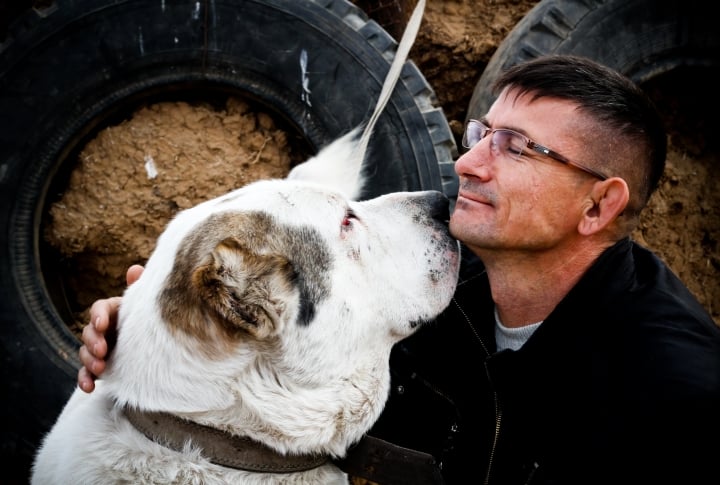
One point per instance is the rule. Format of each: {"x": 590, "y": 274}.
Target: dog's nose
{"x": 437, "y": 205}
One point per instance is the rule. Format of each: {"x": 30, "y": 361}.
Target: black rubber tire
{"x": 69, "y": 70}
{"x": 640, "y": 38}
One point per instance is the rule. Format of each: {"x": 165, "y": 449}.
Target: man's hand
{"x": 99, "y": 335}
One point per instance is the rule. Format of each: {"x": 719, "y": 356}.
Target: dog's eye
{"x": 349, "y": 216}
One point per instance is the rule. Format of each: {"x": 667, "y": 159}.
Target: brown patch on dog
{"x": 226, "y": 283}
{"x": 240, "y": 286}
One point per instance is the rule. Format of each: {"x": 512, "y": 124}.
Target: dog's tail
{"x": 406, "y": 42}
{"x": 339, "y": 164}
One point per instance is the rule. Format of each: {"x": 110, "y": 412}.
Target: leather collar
{"x": 220, "y": 447}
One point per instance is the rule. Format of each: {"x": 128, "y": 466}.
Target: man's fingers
{"x": 133, "y": 273}
{"x": 86, "y": 381}
{"x": 94, "y": 340}
{"x": 100, "y": 313}
{"x": 94, "y": 366}
{"x": 99, "y": 335}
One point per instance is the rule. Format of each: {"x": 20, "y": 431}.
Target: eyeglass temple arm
{"x": 555, "y": 155}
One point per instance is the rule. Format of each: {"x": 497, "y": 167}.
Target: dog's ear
{"x": 246, "y": 290}
{"x": 338, "y": 166}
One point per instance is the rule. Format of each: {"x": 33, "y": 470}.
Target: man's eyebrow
{"x": 485, "y": 121}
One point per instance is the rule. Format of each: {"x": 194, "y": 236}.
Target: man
{"x": 571, "y": 355}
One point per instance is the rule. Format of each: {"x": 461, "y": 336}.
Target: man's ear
{"x": 605, "y": 202}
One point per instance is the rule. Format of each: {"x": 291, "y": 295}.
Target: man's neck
{"x": 526, "y": 287}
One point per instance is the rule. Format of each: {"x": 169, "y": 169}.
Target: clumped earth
{"x": 132, "y": 178}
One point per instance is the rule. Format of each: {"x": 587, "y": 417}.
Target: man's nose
{"x": 475, "y": 162}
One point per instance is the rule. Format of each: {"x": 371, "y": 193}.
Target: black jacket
{"x": 620, "y": 384}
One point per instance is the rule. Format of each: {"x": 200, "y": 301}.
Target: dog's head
{"x": 281, "y": 301}
{"x": 278, "y": 254}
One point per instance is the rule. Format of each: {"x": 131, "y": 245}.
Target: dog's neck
{"x": 220, "y": 447}
{"x": 237, "y": 395}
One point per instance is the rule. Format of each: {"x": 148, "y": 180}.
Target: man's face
{"x": 529, "y": 204}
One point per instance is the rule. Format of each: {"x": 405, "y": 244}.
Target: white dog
{"x": 256, "y": 344}
{"x": 255, "y": 347}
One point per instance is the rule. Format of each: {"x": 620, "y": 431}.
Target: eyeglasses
{"x": 511, "y": 144}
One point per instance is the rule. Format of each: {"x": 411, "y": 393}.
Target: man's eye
{"x": 514, "y": 150}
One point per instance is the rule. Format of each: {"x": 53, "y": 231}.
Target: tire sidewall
{"x": 641, "y": 39}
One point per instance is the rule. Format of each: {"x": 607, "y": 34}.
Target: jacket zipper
{"x": 498, "y": 422}
{"x": 498, "y": 409}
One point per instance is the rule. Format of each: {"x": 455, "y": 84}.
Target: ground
{"x": 134, "y": 176}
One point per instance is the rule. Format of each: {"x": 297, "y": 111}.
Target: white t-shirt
{"x": 512, "y": 338}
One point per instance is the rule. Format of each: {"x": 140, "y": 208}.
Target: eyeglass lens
{"x": 505, "y": 142}
{"x": 474, "y": 132}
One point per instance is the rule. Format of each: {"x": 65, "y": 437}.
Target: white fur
{"x": 298, "y": 388}
{"x": 347, "y": 176}
{"x": 300, "y": 382}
